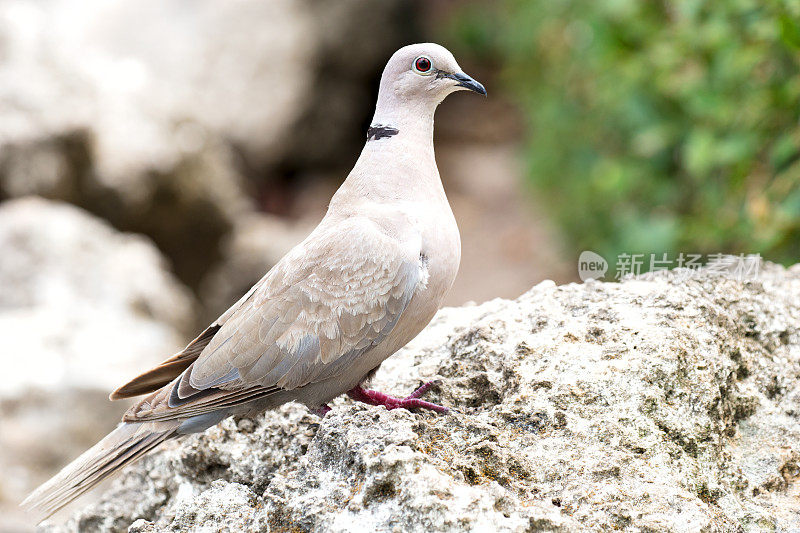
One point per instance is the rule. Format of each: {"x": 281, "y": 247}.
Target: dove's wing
{"x": 329, "y": 301}
{"x": 166, "y": 371}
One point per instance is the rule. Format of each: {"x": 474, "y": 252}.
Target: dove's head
{"x": 419, "y": 77}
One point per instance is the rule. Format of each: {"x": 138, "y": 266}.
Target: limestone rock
{"x": 663, "y": 404}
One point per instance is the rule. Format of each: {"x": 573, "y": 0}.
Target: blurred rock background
{"x": 156, "y": 158}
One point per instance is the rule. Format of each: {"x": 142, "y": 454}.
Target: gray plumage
{"x": 366, "y": 281}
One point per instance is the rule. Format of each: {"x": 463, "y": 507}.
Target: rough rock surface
{"x": 82, "y": 309}
{"x": 663, "y": 404}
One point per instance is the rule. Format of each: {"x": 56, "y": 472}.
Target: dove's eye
{"x": 422, "y": 64}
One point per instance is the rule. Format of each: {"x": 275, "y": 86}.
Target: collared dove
{"x": 364, "y": 283}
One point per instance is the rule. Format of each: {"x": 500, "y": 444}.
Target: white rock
{"x": 151, "y": 80}
{"x": 82, "y": 305}
{"x": 662, "y": 405}
{"x": 83, "y": 308}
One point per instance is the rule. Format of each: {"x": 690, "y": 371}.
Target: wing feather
{"x": 168, "y": 370}
{"x": 165, "y": 372}
{"x": 330, "y": 300}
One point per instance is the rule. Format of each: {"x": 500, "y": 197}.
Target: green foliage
{"x": 656, "y": 126}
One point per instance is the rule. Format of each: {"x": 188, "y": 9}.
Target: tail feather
{"x": 127, "y": 443}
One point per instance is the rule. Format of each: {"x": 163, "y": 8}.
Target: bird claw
{"x": 412, "y": 401}
{"x": 424, "y": 388}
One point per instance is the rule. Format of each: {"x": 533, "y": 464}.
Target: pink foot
{"x": 412, "y": 401}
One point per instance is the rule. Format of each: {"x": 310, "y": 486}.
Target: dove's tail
{"x": 127, "y": 443}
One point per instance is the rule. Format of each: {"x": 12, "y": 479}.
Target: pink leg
{"x": 412, "y": 401}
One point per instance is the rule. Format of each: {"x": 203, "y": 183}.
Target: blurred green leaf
{"x": 790, "y": 31}
{"x": 656, "y": 126}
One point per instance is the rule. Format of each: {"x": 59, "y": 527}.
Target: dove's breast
{"x": 440, "y": 256}
{"x": 407, "y": 201}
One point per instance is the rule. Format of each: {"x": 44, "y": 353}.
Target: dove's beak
{"x": 468, "y": 82}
